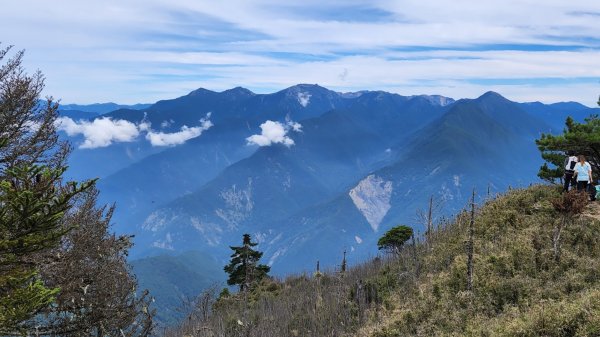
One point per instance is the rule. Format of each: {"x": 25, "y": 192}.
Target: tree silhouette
{"x": 394, "y": 239}
{"x": 243, "y": 268}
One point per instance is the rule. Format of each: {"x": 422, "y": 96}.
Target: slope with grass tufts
{"x": 519, "y": 287}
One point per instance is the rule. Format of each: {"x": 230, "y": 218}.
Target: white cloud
{"x": 274, "y": 133}
{"x": 100, "y": 132}
{"x": 294, "y": 126}
{"x": 150, "y": 49}
{"x": 180, "y": 137}
{"x": 166, "y": 124}
{"x": 32, "y": 126}
{"x": 105, "y": 131}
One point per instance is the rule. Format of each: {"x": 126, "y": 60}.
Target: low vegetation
{"x": 519, "y": 286}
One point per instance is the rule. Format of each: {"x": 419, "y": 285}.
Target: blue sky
{"x": 146, "y": 50}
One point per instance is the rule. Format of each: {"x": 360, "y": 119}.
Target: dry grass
{"x": 518, "y": 284}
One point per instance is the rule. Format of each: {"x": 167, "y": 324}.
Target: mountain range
{"x": 310, "y": 173}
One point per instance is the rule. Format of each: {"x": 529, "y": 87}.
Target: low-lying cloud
{"x": 274, "y": 133}
{"x": 105, "y": 131}
{"x": 100, "y": 132}
{"x": 180, "y": 137}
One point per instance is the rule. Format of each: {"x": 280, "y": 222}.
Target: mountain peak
{"x": 307, "y": 86}
{"x": 492, "y": 96}
{"x": 435, "y": 99}
{"x": 238, "y": 92}
{"x": 200, "y": 92}
{"x": 310, "y": 88}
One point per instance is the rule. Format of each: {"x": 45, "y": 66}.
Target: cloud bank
{"x": 176, "y": 138}
{"x": 100, "y": 132}
{"x": 524, "y": 49}
{"x": 275, "y": 133}
{"x": 103, "y": 132}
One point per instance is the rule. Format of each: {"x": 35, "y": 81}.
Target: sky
{"x": 141, "y": 51}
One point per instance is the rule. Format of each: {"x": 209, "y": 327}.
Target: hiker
{"x": 569, "y": 166}
{"x": 583, "y": 173}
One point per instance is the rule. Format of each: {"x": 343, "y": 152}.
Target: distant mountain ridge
{"x": 360, "y": 163}
{"x": 101, "y": 108}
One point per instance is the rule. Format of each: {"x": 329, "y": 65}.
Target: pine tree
{"x": 583, "y": 138}
{"x": 394, "y": 239}
{"x": 243, "y": 268}
{"x": 32, "y": 203}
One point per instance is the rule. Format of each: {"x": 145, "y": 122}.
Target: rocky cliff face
{"x": 372, "y": 198}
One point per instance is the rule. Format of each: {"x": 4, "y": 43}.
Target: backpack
{"x": 570, "y": 163}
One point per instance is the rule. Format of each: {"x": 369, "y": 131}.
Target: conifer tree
{"x": 583, "y": 138}
{"x": 243, "y": 268}
{"x": 32, "y": 204}
{"x": 33, "y": 198}
{"x": 61, "y": 272}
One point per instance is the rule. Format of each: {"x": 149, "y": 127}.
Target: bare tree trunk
{"x": 470, "y": 245}
{"x": 416, "y": 261}
{"x": 430, "y": 220}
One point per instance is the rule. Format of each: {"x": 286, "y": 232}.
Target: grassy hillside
{"x": 519, "y": 288}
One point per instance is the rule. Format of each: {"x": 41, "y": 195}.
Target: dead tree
{"x": 470, "y": 244}
{"x": 415, "y": 259}
{"x": 343, "y": 267}
{"x": 427, "y": 219}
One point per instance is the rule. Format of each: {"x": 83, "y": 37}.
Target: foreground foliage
{"x": 97, "y": 287}
{"x": 520, "y": 288}
{"x": 33, "y": 197}
{"x": 62, "y": 273}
